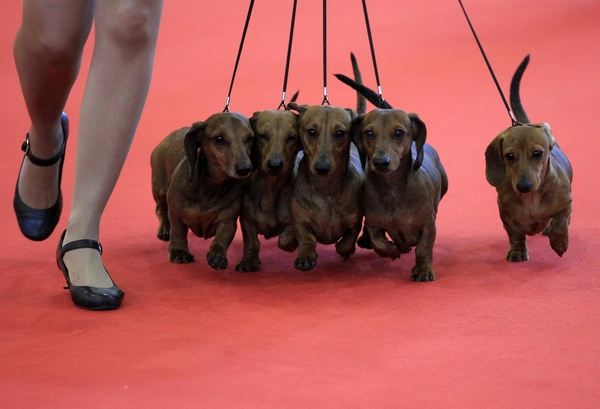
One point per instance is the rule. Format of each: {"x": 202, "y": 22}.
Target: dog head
{"x": 277, "y": 141}
{"x": 521, "y": 153}
{"x": 386, "y": 136}
{"x": 325, "y": 132}
{"x": 224, "y": 142}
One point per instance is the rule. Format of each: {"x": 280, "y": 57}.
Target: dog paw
{"x": 217, "y": 261}
{"x": 288, "y": 244}
{"x": 305, "y": 263}
{"x": 517, "y": 255}
{"x": 248, "y": 266}
{"x": 345, "y": 252}
{"x": 364, "y": 242}
{"x": 180, "y": 256}
{"x": 163, "y": 235}
{"x": 559, "y": 247}
{"x": 422, "y": 274}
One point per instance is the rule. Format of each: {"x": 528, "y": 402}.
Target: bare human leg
{"x": 125, "y": 40}
{"x": 47, "y": 52}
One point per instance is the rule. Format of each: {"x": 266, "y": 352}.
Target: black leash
{"x": 381, "y": 101}
{"x": 226, "y": 109}
{"x": 325, "y": 100}
{"x": 289, "y": 55}
{"x": 510, "y": 113}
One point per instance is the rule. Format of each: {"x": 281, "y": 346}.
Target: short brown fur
{"x": 533, "y": 179}
{"x": 266, "y": 194}
{"x": 196, "y": 173}
{"x": 327, "y": 195}
{"x": 402, "y": 194}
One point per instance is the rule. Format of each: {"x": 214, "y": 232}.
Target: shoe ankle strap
{"x": 81, "y": 244}
{"x": 26, "y": 147}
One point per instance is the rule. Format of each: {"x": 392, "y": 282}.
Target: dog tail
{"x": 515, "y": 98}
{"x": 361, "y": 102}
{"x": 361, "y": 90}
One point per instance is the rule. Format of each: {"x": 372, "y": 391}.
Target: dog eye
{"x": 369, "y": 135}
{"x": 340, "y": 134}
{"x": 399, "y": 133}
{"x": 262, "y": 136}
{"x": 291, "y": 138}
{"x": 250, "y": 139}
{"x": 537, "y": 154}
{"x": 219, "y": 140}
{"x": 510, "y": 157}
{"x": 312, "y": 133}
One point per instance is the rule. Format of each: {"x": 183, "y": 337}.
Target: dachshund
{"x": 327, "y": 194}
{"x": 196, "y": 184}
{"x": 533, "y": 179}
{"x": 404, "y": 181}
{"x": 266, "y": 193}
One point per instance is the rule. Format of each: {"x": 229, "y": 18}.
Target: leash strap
{"x": 325, "y": 99}
{"x": 510, "y": 113}
{"x": 289, "y": 55}
{"x": 237, "y": 60}
{"x": 381, "y": 101}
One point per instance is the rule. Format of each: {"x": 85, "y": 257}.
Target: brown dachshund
{"x": 266, "y": 194}
{"x": 327, "y": 195}
{"x": 533, "y": 179}
{"x": 196, "y": 176}
{"x": 405, "y": 181}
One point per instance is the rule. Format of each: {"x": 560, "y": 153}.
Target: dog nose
{"x": 243, "y": 169}
{"x": 322, "y": 168}
{"x": 524, "y": 186}
{"x": 381, "y": 162}
{"x": 274, "y": 165}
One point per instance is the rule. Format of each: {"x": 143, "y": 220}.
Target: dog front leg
{"x": 217, "y": 254}
{"x": 178, "y": 244}
{"x": 423, "y": 269}
{"x": 287, "y": 239}
{"x": 346, "y": 246}
{"x": 558, "y": 231}
{"x": 250, "y": 261}
{"x": 518, "y": 250}
{"x": 382, "y": 246}
{"x": 307, "y": 253}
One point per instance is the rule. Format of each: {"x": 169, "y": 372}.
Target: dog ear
{"x": 254, "y": 119}
{"x": 549, "y": 134}
{"x": 351, "y": 112}
{"x": 356, "y": 132}
{"x": 495, "y": 169}
{"x": 420, "y": 132}
{"x": 301, "y": 109}
{"x": 191, "y": 142}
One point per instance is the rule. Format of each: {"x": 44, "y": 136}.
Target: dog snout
{"x": 274, "y": 165}
{"x": 524, "y": 185}
{"x": 322, "y": 167}
{"x": 381, "y": 163}
{"x": 243, "y": 169}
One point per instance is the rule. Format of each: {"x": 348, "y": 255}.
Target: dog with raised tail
{"x": 533, "y": 179}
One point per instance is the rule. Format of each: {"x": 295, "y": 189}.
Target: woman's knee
{"x": 54, "y": 32}
{"x": 133, "y": 26}
{"x": 54, "y": 45}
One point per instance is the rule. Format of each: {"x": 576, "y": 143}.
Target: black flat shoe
{"x": 38, "y": 224}
{"x": 89, "y": 298}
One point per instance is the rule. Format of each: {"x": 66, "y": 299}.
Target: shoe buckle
{"x": 26, "y": 145}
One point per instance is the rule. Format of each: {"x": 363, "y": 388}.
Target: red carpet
{"x": 359, "y": 334}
